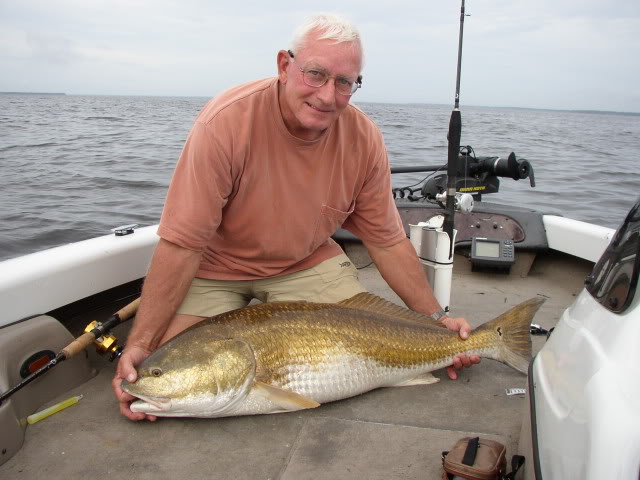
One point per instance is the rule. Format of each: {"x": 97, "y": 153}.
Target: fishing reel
{"x": 479, "y": 175}
{"x": 463, "y": 201}
{"x": 106, "y": 344}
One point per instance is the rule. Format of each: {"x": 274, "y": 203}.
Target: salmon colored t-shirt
{"x": 259, "y": 202}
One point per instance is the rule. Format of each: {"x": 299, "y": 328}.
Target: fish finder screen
{"x": 488, "y": 249}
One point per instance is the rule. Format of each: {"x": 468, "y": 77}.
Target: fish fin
{"x": 422, "y": 379}
{"x": 513, "y": 331}
{"x": 239, "y": 355}
{"x": 372, "y": 303}
{"x": 286, "y": 399}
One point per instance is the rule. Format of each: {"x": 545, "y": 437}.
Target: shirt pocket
{"x": 330, "y": 220}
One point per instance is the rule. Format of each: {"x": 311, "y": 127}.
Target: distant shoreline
{"x": 32, "y": 93}
{"x": 614, "y": 112}
{"x": 587, "y": 111}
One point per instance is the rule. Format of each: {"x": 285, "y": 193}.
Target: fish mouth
{"x": 151, "y": 405}
{"x": 147, "y": 403}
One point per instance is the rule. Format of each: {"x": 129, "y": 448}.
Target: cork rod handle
{"x": 78, "y": 345}
{"x": 125, "y": 313}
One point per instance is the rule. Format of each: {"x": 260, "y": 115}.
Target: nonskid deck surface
{"x": 388, "y": 433}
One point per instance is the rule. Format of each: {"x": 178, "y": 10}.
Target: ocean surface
{"x": 73, "y": 167}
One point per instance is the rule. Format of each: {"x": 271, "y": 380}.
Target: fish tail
{"x": 512, "y": 330}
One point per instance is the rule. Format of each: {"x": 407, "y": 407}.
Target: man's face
{"x": 309, "y": 111}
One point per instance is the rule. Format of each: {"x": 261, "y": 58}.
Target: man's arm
{"x": 170, "y": 274}
{"x": 401, "y": 269}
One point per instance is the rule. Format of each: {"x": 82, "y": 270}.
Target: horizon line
{"x": 568, "y": 110}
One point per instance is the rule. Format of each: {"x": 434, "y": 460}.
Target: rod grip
{"x": 78, "y": 345}
{"x": 128, "y": 311}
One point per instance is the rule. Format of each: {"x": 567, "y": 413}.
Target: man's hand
{"x": 131, "y": 357}
{"x": 463, "y": 360}
{"x": 169, "y": 277}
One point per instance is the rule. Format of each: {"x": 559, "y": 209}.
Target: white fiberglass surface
{"x": 42, "y": 281}
{"x": 581, "y": 239}
{"x": 586, "y": 391}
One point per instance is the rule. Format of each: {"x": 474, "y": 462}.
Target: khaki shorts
{"x": 328, "y": 282}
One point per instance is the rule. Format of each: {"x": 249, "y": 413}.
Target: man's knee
{"x": 328, "y": 282}
{"x": 206, "y": 298}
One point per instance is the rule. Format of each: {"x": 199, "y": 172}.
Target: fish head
{"x": 193, "y": 376}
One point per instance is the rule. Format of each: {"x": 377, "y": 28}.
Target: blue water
{"x": 73, "y": 167}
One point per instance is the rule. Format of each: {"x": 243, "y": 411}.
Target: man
{"x": 269, "y": 171}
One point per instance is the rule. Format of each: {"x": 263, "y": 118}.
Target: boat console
{"x": 476, "y": 176}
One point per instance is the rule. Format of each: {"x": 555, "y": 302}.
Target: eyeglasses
{"x": 317, "y": 78}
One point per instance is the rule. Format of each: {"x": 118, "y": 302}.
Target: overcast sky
{"x": 561, "y": 54}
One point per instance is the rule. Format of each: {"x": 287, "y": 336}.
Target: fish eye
{"x": 156, "y": 372}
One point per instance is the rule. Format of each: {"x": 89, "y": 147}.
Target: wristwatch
{"x": 438, "y": 315}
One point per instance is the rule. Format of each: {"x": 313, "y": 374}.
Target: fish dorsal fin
{"x": 286, "y": 399}
{"x": 372, "y": 303}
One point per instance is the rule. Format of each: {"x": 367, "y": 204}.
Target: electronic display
{"x": 488, "y": 249}
{"x": 488, "y": 252}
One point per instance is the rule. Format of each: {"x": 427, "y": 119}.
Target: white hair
{"x": 331, "y": 27}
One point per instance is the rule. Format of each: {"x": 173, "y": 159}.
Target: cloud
{"x": 549, "y": 54}
{"x": 52, "y": 49}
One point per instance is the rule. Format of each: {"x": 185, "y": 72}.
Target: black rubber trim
{"x": 121, "y": 293}
{"x": 22, "y": 320}
{"x": 534, "y": 424}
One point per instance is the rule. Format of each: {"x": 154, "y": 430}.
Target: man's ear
{"x": 283, "y": 63}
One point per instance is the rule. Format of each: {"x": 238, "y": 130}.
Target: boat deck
{"x": 390, "y": 433}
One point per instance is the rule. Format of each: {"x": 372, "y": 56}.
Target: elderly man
{"x": 269, "y": 171}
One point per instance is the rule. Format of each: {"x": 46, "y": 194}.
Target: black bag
{"x": 479, "y": 459}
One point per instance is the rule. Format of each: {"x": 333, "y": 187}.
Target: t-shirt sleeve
{"x": 199, "y": 190}
{"x": 375, "y": 218}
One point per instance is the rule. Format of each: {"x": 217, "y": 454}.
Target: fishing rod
{"x": 78, "y": 345}
{"x": 455, "y": 129}
{"x": 417, "y": 169}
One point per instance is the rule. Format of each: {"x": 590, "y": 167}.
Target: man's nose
{"x": 327, "y": 92}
